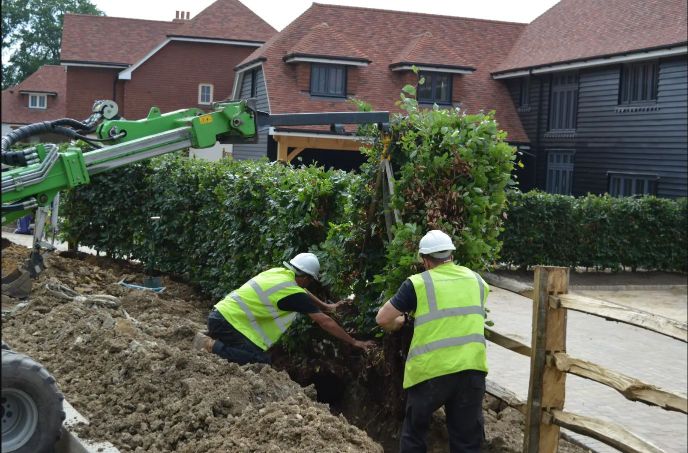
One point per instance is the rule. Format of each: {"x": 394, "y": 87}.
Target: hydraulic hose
{"x": 23, "y": 158}
{"x": 42, "y": 128}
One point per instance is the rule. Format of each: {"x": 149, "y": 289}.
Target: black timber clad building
{"x": 619, "y": 128}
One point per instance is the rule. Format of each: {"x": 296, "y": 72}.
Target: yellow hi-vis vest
{"x": 252, "y": 309}
{"x": 449, "y": 324}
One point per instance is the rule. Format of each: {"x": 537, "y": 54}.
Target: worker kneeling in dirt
{"x": 446, "y": 363}
{"x": 243, "y": 325}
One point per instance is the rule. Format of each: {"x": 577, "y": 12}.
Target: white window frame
{"x": 200, "y": 93}
{"x": 38, "y": 97}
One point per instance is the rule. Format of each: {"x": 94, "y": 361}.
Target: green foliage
{"x": 223, "y": 222}
{"x": 32, "y": 34}
{"x": 596, "y": 231}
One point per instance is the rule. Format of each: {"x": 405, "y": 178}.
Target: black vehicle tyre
{"x": 32, "y": 412}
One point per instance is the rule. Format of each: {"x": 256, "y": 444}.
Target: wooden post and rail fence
{"x": 549, "y": 365}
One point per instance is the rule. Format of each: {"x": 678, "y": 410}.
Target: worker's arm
{"x": 329, "y": 308}
{"x": 389, "y": 318}
{"x": 391, "y": 315}
{"x": 330, "y": 326}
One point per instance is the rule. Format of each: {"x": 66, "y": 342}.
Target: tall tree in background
{"x": 32, "y": 32}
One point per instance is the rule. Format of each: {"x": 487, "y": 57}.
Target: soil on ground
{"x": 125, "y": 362}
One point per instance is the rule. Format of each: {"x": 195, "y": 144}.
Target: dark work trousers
{"x": 461, "y": 394}
{"x": 231, "y": 344}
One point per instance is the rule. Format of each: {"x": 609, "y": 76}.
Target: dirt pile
{"x": 129, "y": 369}
{"x": 126, "y": 364}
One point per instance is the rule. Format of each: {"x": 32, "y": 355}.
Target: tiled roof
{"x": 383, "y": 35}
{"x": 101, "y": 39}
{"x": 228, "y": 19}
{"x": 47, "y": 79}
{"x": 426, "y": 49}
{"x": 579, "y": 29}
{"x": 323, "y": 41}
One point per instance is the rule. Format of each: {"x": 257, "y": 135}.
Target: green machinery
{"x": 35, "y": 185}
{"x": 32, "y": 178}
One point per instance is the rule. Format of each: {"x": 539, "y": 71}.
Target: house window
{"x": 560, "y": 172}
{"x": 629, "y": 184}
{"x": 205, "y": 93}
{"x": 254, "y": 78}
{"x": 524, "y": 92}
{"x": 563, "y": 102}
{"x": 328, "y": 80}
{"x": 638, "y": 82}
{"x": 38, "y": 101}
{"x": 437, "y": 88}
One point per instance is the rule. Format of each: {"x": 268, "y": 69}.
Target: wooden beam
{"x": 615, "y": 312}
{"x": 282, "y": 151}
{"x": 325, "y": 142}
{"x": 631, "y": 388}
{"x": 606, "y": 432}
{"x": 294, "y": 153}
{"x": 506, "y": 395}
{"x": 547, "y": 386}
{"x": 506, "y": 342}
{"x": 508, "y": 284}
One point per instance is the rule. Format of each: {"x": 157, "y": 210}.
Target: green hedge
{"x": 222, "y": 222}
{"x": 596, "y": 231}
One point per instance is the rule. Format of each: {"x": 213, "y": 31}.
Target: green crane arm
{"x": 35, "y": 185}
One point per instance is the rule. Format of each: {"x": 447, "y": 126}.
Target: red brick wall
{"x": 353, "y": 74}
{"x": 303, "y": 76}
{"x": 170, "y": 78}
{"x": 85, "y": 85}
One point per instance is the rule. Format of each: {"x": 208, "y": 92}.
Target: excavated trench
{"x": 130, "y": 371}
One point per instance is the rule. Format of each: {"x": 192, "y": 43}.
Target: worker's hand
{"x": 342, "y": 303}
{"x": 365, "y": 345}
{"x": 332, "y": 308}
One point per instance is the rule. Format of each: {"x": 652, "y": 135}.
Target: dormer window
{"x": 38, "y": 101}
{"x": 328, "y": 80}
{"x": 436, "y": 89}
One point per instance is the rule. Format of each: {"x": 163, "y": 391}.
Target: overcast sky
{"x": 279, "y": 13}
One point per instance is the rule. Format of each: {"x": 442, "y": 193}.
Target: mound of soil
{"x": 127, "y": 365}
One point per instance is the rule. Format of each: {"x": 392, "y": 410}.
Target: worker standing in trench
{"x": 446, "y": 363}
{"x": 243, "y": 325}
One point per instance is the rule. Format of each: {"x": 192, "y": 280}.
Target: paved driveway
{"x": 650, "y": 357}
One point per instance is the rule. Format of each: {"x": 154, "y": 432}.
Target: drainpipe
{"x": 538, "y": 128}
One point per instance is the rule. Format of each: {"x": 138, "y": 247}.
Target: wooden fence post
{"x": 547, "y": 384}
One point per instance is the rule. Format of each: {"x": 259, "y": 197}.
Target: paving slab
{"x": 642, "y": 354}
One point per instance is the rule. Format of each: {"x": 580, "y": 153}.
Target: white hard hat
{"x": 436, "y": 244}
{"x": 304, "y": 263}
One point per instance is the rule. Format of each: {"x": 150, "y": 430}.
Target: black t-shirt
{"x": 405, "y": 298}
{"x": 299, "y": 302}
